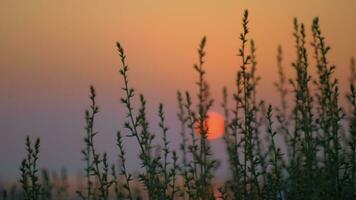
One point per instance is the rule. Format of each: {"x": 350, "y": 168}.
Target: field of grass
{"x": 308, "y": 148}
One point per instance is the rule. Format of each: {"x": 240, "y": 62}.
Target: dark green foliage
{"x": 29, "y": 171}
{"x": 54, "y": 185}
{"x": 4, "y": 194}
{"x": 97, "y": 167}
{"x": 159, "y": 176}
{"x": 205, "y": 163}
{"x": 274, "y": 184}
{"x": 352, "y": 143}
{"x": 183, "y": 146}
{"x": 310, "y": 153}
{"x": 123, "y": 171}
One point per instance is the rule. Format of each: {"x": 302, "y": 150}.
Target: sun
{"x": 215, "y": 125}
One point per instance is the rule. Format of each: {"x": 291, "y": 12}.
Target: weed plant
{"x": 316, "y": 161}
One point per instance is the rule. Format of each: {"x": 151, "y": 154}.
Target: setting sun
{"x": 215, "y": 123}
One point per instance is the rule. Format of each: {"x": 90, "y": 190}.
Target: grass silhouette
{"x": 318, "y": 161}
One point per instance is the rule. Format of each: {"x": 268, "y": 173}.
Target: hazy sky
{"x": 51, "y": 51}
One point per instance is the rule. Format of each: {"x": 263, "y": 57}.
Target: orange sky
{"x": 52, "y": 50}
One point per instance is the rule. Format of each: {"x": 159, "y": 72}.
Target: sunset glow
{"x": 53, "y": 51}
{"x": 215, "y": 123}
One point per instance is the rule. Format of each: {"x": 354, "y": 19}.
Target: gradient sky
{"x": 51, "y": 51}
